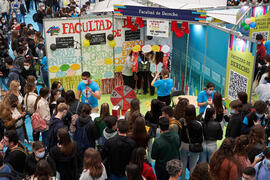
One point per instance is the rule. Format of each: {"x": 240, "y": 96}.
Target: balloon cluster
{"x": 247, "y": 24}
{"x": 86, "y": 41}
{"x": 112, "y": 42}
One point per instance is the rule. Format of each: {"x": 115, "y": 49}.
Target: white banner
{"x": 159, "y": 28}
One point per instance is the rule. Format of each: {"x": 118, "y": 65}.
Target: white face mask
{"x": 26, "y": 67}
{"x": 35, "y": 81}
{"x": 31, "y": 27}
{"x": 259, "y": 42}
{"x": 40, "y": 155}
{"x": 20, "y": 87}
{"x": 85, "y": 81}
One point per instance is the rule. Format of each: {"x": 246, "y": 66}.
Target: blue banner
{"x": 161, "y": 13}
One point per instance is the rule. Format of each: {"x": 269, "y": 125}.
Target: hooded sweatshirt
{"x": 13, "y": 74}
{"x": 263, "y": 172}
{"x": 165, "y": 148}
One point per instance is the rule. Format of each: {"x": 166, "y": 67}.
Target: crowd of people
{"x": 246, "y": 2}
{"x": 72, "y": 139}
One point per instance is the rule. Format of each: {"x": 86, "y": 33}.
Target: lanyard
{"x": 86, "y": 89}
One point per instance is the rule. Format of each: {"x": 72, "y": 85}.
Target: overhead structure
{"x": 107, "y": 5}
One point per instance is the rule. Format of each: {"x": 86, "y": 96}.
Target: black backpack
{"x": 13, "y": 175}
{"x": 21, "y": 78}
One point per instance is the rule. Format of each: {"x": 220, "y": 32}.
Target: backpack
{"x": 35, "y": 17}
{"x": 21, "y": 78}
{"x": 13, "y": 175}
{"x": 80, "y": 135}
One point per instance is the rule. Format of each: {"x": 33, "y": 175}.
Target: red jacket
{"x": 261, "y": 51}
{"x": 148, "y": 172}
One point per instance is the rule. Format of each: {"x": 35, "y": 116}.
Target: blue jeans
{"x": 21, "y": 18}
{"x": 44, "y": 137}
{"x": 40, "y": 27}
{"x": 113, "y": 177}
{"x": 45, "y": 77}
{"x": 208, "y": 148}
{"x": 3, "y": 84}
{"x": 184, "y": 155}
{"x": 21, "y": 134}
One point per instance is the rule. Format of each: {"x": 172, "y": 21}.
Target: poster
{"x": 158, "y": 28}
{"x": 262, "y": 19}
{"x": 98, "y": 56}
{"x": 64, "y": 63}
{"x": 125, "y": 40}
{"x": 240, "y": 65}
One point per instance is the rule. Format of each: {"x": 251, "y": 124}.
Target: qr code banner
{"x": 265, "y": 35}
{"x": 237, "y": 83}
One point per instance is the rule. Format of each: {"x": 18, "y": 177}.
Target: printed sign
{"x": 159, "y": 28}
{"x": 98, "y": 39}
{"x": 64, "y": 42}
{"x": 132, "y": 35}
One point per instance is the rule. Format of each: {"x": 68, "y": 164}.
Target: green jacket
{"x": 165, "y": 148}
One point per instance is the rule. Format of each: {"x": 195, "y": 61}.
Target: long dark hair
{"x": 138, "y": 157}
{"x": 155, "y": 111}
{"x": 190, "y": 114}
{"x": 180, "y": 108}
{"x": 241, "y": 144}
{"x": 209, "y": 115}
{"x": 42, "y": 93}
{"x": 43, "y": 170}
{"x": 70, "y": 97}
{"x": 139, "y": 133}
{"x": 104, "y": 111}
{"x": 133, "y": 172}
{"x": 201, "y": 172}
{"x": 256, "y": 135}
{"x": 67, "y": 146}
{"x": 217, "y": 101}
{"x": 86, "y": 110}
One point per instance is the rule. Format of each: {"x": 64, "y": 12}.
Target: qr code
{"x": 237, "y": 83}
{"x": 265, "y": 35}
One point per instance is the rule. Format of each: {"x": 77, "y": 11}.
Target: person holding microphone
{"x": 205, "y": 97}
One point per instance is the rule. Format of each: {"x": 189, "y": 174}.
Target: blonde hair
{"x": 61, "y": 107}
{"x": 14, "y": 85}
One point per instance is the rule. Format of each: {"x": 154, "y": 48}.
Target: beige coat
{"x": 30, "y": 103}
{"x": 44, "y": 111}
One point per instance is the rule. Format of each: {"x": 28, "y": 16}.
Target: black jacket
{"x": 40, "y": 16}
{"x": 69, "y": 166}
{"x": 31, "y": 71}
{"x": 118, "y": 150}
{"x": 92, "y": 131}
{"x": 212, "y": 131}
{"x": 31, "y": 162}
{"x": 195, "y": 132}
{"x": 256, "y": 150}
{"x": 234, "y": 126}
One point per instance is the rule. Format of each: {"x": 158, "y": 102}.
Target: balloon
{"x": 243, "y": 23}
{"x": 112, "y": 43}
{"x": 88, "y": 36}
{"x": 247, "y": 21}
{"x": 252, "y": 19}
{"x": 110, "y": 37}
{"x": 136, "y": 48}
{"x": 65, "y": 3}
{"x": 86, "y": 43}
{"x": 246, "y": 27}
{"x": 53, "y": 47}
{"x": 253, "y": 25}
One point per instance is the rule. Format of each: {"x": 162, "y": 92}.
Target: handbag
{"x": 194, "y": 147}
{"x": 38, "y": 124}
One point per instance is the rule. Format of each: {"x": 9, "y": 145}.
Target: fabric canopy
{"x": 228, "y": 15}
{"x": 107, "y": 6}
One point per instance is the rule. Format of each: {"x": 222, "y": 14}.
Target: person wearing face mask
{"x": 44, "y": 68}
{"x": 260, "y": 53}
{"x": 89, "y": 91}
{"x": 55, "y": 94}
{"x": 19, "y": 60}
{"x": 38, "y": 154}
{"x": 234, "y": 127}
{"x": 15, "y": 153}
{"x": 40, "y": 17}
{"x": 265, "y": 70}
{"x": 42, "y": 107}
{"x": 28, "y": 69}
{"x": 255, "y": 117}
{"x": 4, "y": 10}
{"x": 56, "y": 123}
{"x": 263, "y": 168}
{"x": 31, "y": 42}
{"x": 56, "y": 85}
{"x": 205, "y": 97}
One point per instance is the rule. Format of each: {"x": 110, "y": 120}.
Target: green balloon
{"x": 246, "y": 27}
{"x": 243, "y": 23}
{"x": 64, "y": 67}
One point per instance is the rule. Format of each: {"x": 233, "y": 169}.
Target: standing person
{"x": 89, "y": 91}
{"x": 261, "y": 51}
{"x": 14, "y": 71}
{"x": 99, "y": 121}
{"x": 133, "y": 172}
{"x": 234, "y": 127}
{"x": 212, "y": 132}
{"x": 164, "y": 86}
{"x": 56, "y": 123}
{"x": 205, "y": 97}
{"x": 118, "y": 151}
{"x": 240, "y": 152}
{"x": 110, "y": 130}
{"x": 127, "y": 74}
{"x": 192, "y": 132}
{"x": 175, "y": 125}
{"x": 42, "y": 107}
{"x": 201, "y": 171}
{"x": 40, "y": 16}
{"x": 165, "y": 148}
{"x": 248, "y": 173}
{"x": 180, "y": 108}
{"x": 151, "y": 120}
{"x": 67, "y": 156}
{"x": 15, "y": 154}
{"x": 43, "y": 171}
{"x": 93, "y": 167}
{"x": 263, "y": 168}
{"x": 15, "y": 88}
{"x": 28, "y": 69}
{"x": 223, "y": 165}
{"x": 44, "y": 68}
{"x": 134, "y": 106}
{"x": 56, "y": 85}
{"x": 37, "y": 155}
{"x": 138, "y": 157}
{"x": 174, "y": 168}
{"x": 4, "y": 9}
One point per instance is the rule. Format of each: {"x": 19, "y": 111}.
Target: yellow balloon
{"x": 112, "y": 43}
{"x": 252, "y": 19}
{"x": 136, "y": 48}
{"x": 86, "y": 43}
{"x": 156, "y": 48}
{"x": 65, "y": 3}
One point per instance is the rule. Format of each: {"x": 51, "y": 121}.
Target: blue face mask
{"x": 267, "y": 161}
{"x": 209, "y": 92}
{"x": 61, "y": 88}
{"x": 232, "y": 111}
{"x": 259, "y": 115}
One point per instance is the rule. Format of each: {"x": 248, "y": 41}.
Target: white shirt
{"x": 86, "y": 176}
{"x": 262, "y": 80}
{"x": 263, "y": 90}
